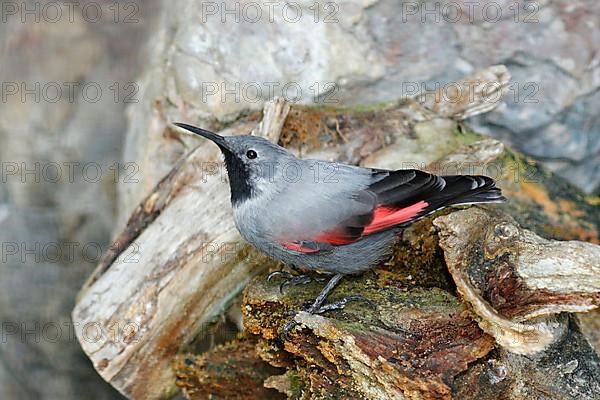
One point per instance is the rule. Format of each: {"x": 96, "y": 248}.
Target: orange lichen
{"x": 539, "y": 195}
{"x": 302, "y": 126}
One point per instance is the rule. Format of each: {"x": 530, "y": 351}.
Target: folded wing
{"x": 401, "y": 198}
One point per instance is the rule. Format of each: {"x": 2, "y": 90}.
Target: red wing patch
{"x": 383, "y": 218}
{"x": 386, "y": 217}
{"x": 336, "y": 238}
{"x": 307, "y": 246}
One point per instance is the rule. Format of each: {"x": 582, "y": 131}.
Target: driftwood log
{"x": 463, "y": 309}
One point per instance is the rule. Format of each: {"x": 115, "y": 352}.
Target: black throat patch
{"x": 239, "y": 178}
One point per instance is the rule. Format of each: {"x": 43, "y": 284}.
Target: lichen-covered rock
{"x": 408, "y": 341}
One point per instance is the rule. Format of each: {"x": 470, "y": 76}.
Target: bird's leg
{"x": 287, "y": 271}
{"x": 316, "y": 305}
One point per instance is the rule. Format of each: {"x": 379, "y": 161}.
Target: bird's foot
{"x": 287, "y": 328}
{"x": 282, "y": 273}
{"x": 291, "y": 279}
{"x": 337, "y": 305}
{"x": 340, "y": 304}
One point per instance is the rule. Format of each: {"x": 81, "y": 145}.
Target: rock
{"x": 57, "y": 204}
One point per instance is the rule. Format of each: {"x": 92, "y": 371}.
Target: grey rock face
{"x": 59, "y": 141}
{"x": 212, "y": 62}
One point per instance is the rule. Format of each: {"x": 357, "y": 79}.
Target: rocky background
{"x": 74, "y": 167}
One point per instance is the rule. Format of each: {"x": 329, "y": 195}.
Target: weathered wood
{"x": 232, "y": 371}
{"x": 174, "y": 269}
{"x": 567, "y": 369}
{"x": 410, "y": 340}
{"x": 510, "y": 275}
{"x": 189, "y": 262}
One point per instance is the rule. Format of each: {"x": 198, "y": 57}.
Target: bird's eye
{"x": 251, "y": 154}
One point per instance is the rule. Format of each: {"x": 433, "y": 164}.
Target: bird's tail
{"x": 469, "y": 189}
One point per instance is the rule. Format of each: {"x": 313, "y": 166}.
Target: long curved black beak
{"x": 217, "y": 139}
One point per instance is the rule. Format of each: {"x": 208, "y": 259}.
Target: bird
{"x": 326, "y": 216}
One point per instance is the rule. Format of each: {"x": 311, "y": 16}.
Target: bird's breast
{"x": 251, "y": 221}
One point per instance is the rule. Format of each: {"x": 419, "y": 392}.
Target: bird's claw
{"x": 340, "y": 304}
{"x": 283, "y": 274}
{"x": 296, "y": 280}
{"x": 337, "y": 305}
{"x": 287, "y": 328}
{"x": 291, "y": 279}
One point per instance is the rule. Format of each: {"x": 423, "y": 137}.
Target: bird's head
{"x": 253, "y": 164}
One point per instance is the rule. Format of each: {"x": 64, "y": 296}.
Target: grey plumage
{"x": 330, "y": 216}
{"x": 279, "y": 199}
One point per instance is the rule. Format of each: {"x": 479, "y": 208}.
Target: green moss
{"x": 465, "y": 135}
{"x": 546, "y": 203}
{"x": 170, "y": 391}
{"x": 370, "y": 107}
{"x": 296, "y": 384}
